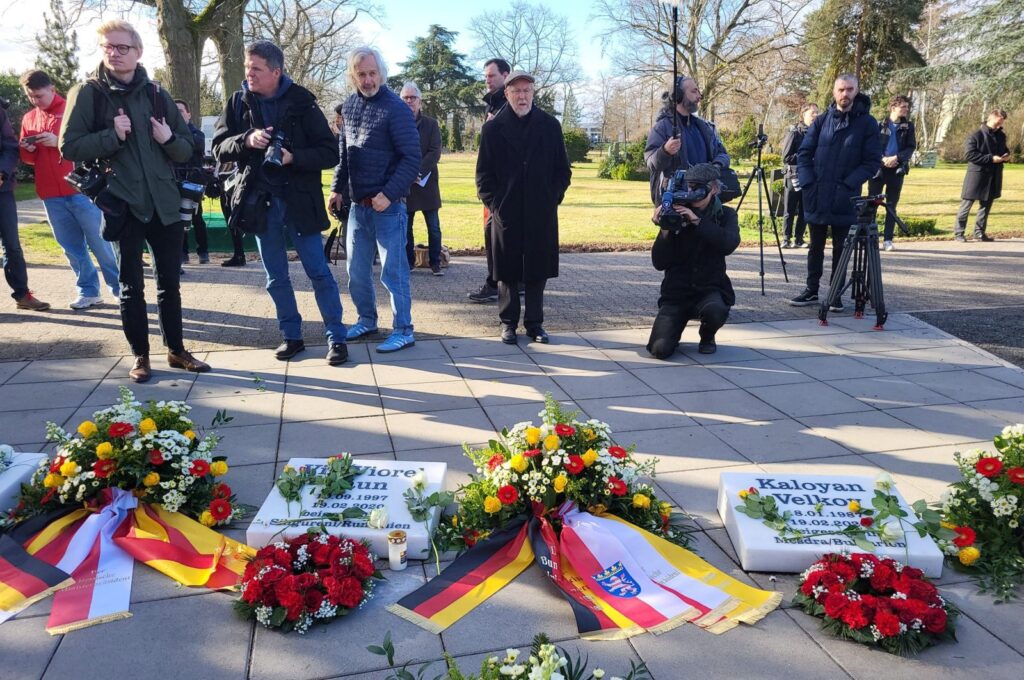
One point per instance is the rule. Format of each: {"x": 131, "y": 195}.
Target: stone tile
{"x": 256, "y": 408}
{"x": 788, "y": 347}
{"x": 531, "y": 600}
{"x": 617, "y": 337}
{"x": 808, "y": 399}
{"x": 324, "y": 438}
{"x": 1003, "y": 620}
{"x": 672, "y": 379}
{"x": 868, "y": 343}
{"x": 258, "y": 360}
{"x": 504, "y": 391}
{"x": 777, "y": 440}
{"x": 561, "y": 341}
{"x": 954, "y": 423}
{"x": 866, "y": 324}
{"x": 498, "y": 367}
{"x": 507, "y": 415}
{"x": 185, "y": 625}
{"x": 695, "y": 492}
{"x": 611, "y": 384}
{"x": 976, "y": 653}
{"x": 966, "y": 385}
{"x": 797, "y": 328}
{"x": 724, "y": 354}
{"x": 761, "y": 373}
{"x": 249, "y": 444}
{"x": 164, "y": 386}
{"x": 458, "y": 348}
{"x": 422, "y": 397}
{"x": 639, "y": 357}
{"x": 952, "y": 358}
{"x": 339, "y": 648}
{"x": 9, "y": 369}
{"x": 886, "y": 392}
{"x": 1009, "y": 375}
{"x": 681, "y": 448}
{"x": 460, "y": 467}
{"x": 33, "y": 396}
{"x": 27, "y": 427}
{"x": 929, "y": 470}
{"x": 417, "y": 371}
{"x": 775, "y": 646}
{"x": 626, "y": 414}
{"x": 850, "y": 464}
{"x": 315, "y": 375}
{"x": 251, "y": 483}
{"x": 869, "y": 432}
{"x": 833, "y": 367}
{"x": 724, "y": 406}
{"x": 26, "y": 648}
{"x": 423, "y": 350}
{"x": 60, "y": 370}
{"x": 235, "y": 383}
{"x": 1006, "y": 411}
{"x": 740, "y": 333}
{"x": 443, "y": 428}
{"x": 343, "y": 401}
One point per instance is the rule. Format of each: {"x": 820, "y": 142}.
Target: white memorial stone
{"x": 381, "y": 483}
{"x": 22, "y": 465}
{"x": 760, "y": 548}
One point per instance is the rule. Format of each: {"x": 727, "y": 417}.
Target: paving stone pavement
{"x": 785, "y": 395}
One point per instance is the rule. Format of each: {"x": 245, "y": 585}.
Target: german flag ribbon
{"x": 619, "y": 580}
{"x": 87, "y": 557}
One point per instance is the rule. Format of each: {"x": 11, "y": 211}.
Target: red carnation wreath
{"x": 877, "y": 602}
{"x": 313, "y": 578}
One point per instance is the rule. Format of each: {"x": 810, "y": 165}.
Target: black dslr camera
{"x": 191, "y": 197}
{"x": 277, "y": 144}
{"x": 89, "y": 179}
{"x": 676, "y": 193}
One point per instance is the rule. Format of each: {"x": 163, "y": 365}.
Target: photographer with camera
{"x": 274, "y": 130}
{"x": 697, "y": 233}
{"x": 130, "y": 131}
{"x": 840, "y": 152}
{"x": 898, "y": 143}
{"x": 192, "y": 171}
{"x": 792, "y": 196}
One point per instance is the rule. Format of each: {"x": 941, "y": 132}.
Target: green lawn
{"x": 602, "y": 214}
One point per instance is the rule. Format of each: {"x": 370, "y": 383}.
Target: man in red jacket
{"x": 74, "y": 219}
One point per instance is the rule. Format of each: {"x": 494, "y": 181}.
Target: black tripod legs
{"x": 865, "y": 282}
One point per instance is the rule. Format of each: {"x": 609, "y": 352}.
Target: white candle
{"x": 396, "y": 550}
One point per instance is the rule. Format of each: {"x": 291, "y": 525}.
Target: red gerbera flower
{"x": 220, "y": 509}
{"x": 616, "y": 486}
{"x": 1016, "y": 475}
{"x": 55, "y": 465}
{"x": 495, "y": 460}
{"x": 564, "y": 430}
{"x": 989, "y": 466}
{"x": 199, "y": 468}
{"x": 120, "y": 429}
{"x": 104, "y": 468}
{"x": 532, "y": 453}
{"x": 508, "y": 494}
{"x": 575, "y": 465}
{"x": 965, "y": 536}
{"x": 222, "y": 491}
{"x": 156, "y": 457}
{"x": 617, "y": 452}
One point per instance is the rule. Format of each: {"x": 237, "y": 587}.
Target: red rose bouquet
{"x": 312, "y": 578}
{"x": 876, "y": 601}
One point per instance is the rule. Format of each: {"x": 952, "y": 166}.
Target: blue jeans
{"x": 310, "y": 249}
{"x": 75, "y": 222}
{"x": 384, "y": 231}
{"x": 433, "y": 238}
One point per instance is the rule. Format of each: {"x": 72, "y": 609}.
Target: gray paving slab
{"x": 809, "y": 399}
{"x": 430, "y": 430}
{"x": 761, "y": 373}
{"x": 681, "y": 448}
{"x": 33, "y": 396}
{"x": 696, "y": 491}
{"x": 957, "y": 422}
{"x": 966, "y": 386}
{"x": 505, "y": 391}
{"x": 868, "y": 432}
{"x": 626, "y": 414}
{"x": 344, "y": 401}
{"x": 831, "y": 367}
{"x": 887, "y": 392}
{"x": 60, "y": 370}
{"x": 28, "y": 427}
{"x": 725, "y": 406}
{"x": 25, "y": 648}
{"x": 323, "y": 438}
{"x": 9, "y": 369}
{"x": 508, "y": 415}
{"x": 423, "y": 397}
{"x": 1010, "y": 375}
{"x": 776, "y": 440}
{"x": 1008, "y": 411}
{"x": 673, "y": 379}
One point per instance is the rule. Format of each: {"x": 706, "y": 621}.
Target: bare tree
{"x": 315, "y": 36}
{"x": 531, "y": 38}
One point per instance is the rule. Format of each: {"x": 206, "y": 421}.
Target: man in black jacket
{"x": 425, "y": 192}
{"x": 693, "y": 259}
{"x": 840, "y": 152}
{"x": 792, "y": 197}
{"x": 274, "y": 128}
{"x": 190, "y": 169}
{"x": 986, "y": 153}
{"x": 898, "y": 144}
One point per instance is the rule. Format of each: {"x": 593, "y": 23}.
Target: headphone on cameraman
{"x": 677, "y": 90}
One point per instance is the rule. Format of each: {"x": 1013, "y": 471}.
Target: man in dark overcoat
{"x": 424, "y": 194}
{"x": 841, "y": 151}
{"x": 522, "y": 173}
{"x": 986, "y": 153}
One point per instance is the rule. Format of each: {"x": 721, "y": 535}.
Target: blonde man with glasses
{"x": 132, "y": 126}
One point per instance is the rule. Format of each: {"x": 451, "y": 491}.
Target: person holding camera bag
{"x": 898, "y": 143}
{"x": 280, "y": 139}
{"x": 691, "y": 249}
{"x": 132, "y": 126}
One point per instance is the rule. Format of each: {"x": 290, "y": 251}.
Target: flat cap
{"x": 519, "y": 75}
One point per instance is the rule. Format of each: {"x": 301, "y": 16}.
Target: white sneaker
{"x": 85, "y": 302}
{"x": 887, "y": 246}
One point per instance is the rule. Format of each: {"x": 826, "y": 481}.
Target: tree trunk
{"x": 858, "y": 55}
{"x": 226, "y": 33}
{"x": 182, "y": 45}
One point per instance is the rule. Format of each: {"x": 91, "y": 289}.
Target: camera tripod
{"x": 757, "y": 175}
{"x": 861, "y": 246}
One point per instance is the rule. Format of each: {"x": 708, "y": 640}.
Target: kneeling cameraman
{"x": 692, "y": 255}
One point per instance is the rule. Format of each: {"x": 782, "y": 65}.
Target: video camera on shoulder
{"x": 677, "y": 193}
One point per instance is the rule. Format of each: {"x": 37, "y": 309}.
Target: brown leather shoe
{"x": 29, "y": 301}
{"x": 140, "y": 372}
{"x": 184, "y": 359}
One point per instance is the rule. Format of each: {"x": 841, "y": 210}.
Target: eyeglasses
{"x": 520, "y": 90}
{"x": 121, "y": 49}
{"x": 409, "y": 97}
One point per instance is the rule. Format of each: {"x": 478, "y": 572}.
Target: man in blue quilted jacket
{"x": 380, "y": 157}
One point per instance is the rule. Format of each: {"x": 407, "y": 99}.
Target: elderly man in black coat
{"x": 841, "y": 151}
{"x": 424, "y": 194}
{"x": 522, "y": 173}
{"x": 986, "y": 153}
